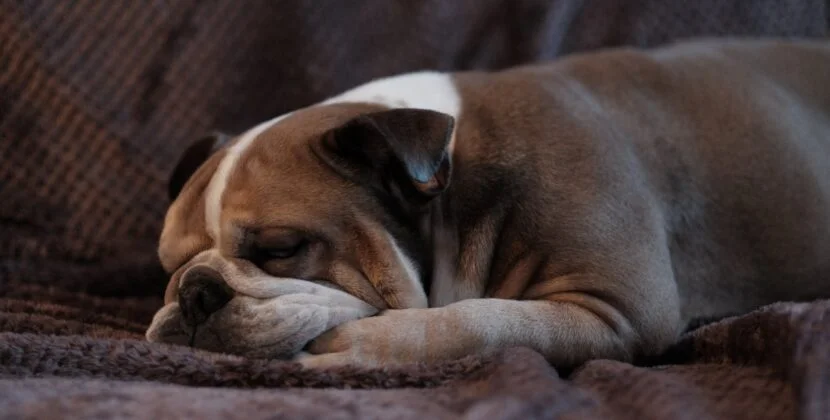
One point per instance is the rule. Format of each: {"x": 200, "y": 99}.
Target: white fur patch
{"x": 219, "y": 181}
{"x": 422, "y": 90}
{"x": 417, "y": 299}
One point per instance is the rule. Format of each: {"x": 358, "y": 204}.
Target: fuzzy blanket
{"x": 99, "y": 98}
{"x": 76, "y": 356}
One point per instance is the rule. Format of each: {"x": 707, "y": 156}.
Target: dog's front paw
{"x": 392, "y": 338}
{"x": 282, "y": 326}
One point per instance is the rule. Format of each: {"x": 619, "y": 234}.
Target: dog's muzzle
{"x": 221, "y": 305}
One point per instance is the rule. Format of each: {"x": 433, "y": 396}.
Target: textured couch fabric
{"x": 98, "y": 99}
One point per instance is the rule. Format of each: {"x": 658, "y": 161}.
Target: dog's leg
{"x": 567, "y": 330}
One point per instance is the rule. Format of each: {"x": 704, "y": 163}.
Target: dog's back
{"x": 747, "y": 182}
{"x": 732, "y": 142}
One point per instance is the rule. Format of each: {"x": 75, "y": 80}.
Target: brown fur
{"x": 597, "y": 205}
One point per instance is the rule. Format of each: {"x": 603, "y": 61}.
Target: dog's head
{"x": 324, "y": 202}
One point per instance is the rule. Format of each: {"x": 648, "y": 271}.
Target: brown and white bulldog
{"x": 586, "y": 208}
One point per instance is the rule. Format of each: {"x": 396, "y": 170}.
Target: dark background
{"x": 98, "y": 98}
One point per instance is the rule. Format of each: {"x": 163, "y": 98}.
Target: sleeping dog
{"x": 586, "y": 208}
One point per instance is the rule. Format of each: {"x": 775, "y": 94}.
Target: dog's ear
{"x": 192, "y": 158}
{"x": 401, "y": 151}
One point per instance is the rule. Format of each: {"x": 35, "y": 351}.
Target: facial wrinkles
{"x": 424, "y": 90}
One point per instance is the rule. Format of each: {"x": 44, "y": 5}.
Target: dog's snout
{"x": 202, "y": 292}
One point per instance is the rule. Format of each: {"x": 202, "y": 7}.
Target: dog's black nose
{"x": 202, "y": 292}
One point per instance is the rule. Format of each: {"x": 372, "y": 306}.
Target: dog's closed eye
{"x": 277, "y": 250}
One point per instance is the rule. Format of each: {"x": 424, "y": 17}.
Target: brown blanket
{"x": 98, "y": 98}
